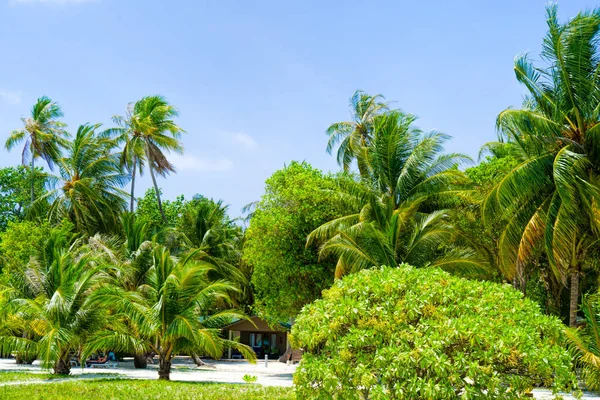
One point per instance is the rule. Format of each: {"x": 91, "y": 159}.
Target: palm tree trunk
{"x": 164, "y": 369}
{"x": 140, "y": 361}
{"x": 156, "y": 190}
{"x": 32, "y": 179}
{"x": 62, "y": 366}
{"x": 574, "y": 300}
{"x": 132, "y": 199}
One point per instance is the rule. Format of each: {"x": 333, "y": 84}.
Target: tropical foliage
{"x": 585, "y": 342}
{"x": 551, "y": 197}
{"x": 170, "y": 313}
{"x": 43, "y": 134}
{"x": 148, "y": 129}
{"x": 15, "y": 193}
{"x": 286, "y": 274}
{"x": 400, "y": 199}
{"x": 354, "y": 137}
{"x": 405, "y": 333}
{"x": 85, "y": 266}
{"x": 54, "y": 305}
{"x": 88, "y": 190}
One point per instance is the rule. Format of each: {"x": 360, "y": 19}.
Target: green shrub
{"x": 403, "y": 333}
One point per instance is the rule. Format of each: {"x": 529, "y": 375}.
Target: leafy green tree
{"x": 148, "y": 210}
{"x": 55, "y": 301}
{"x": 19, "y": 242}
{"x": 354, "y": 136}
{"x": 170, "y": 314}
{"x": 15, "y": 197}
{"x": 552, "y": 196}
{"x": 399, "y": 215}
{"x": 148, "y": 130}
{"x": 88, "y": 189}
{"x": 287, "y": 274}
{"x": 43, "y": 134}
{"x": 406, "y": 333}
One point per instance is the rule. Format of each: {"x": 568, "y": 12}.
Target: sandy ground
{"x": 274, "y": 374}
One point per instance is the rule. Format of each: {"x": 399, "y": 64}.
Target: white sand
{"x": 274, "y": 374}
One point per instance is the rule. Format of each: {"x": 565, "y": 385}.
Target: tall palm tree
{"x": 147, "y": 130}
{"x": 60, "y": 310}
{"x": 43, "y": 134}
{"x": 401, "y": 218}
{"x": 551, "y": 198}
{"x": 354, "y": 136}
{"x": 88, "y": 189}
{"x": 172, "y": 313}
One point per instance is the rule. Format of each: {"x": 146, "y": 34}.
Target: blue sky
{"x": 257, "y": 83}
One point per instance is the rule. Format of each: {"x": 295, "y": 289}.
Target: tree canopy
{"x": 287, "y": 274}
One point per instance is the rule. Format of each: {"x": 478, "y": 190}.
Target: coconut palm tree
{"x": 88, "y": 189}
{"x": 147, "y": 130}
{"x": 43, "y": 134}
{"x": 354, "y": 136}
{"x": 131, "y": 254}
{"x": 551, "y": 198}
{"x": 172, "y": 313}
{"x": 401, "y": 218}
{"x": 56, "y": 303}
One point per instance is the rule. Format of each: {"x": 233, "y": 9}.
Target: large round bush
{"x": 405, "y": 333}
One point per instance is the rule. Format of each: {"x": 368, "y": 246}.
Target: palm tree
{"x": 43, "y": 134}
{"x": 131, "y": 254}
{"x": 400, "y": 218}
{"x": 171, "y": 313}
{"x": 215, "y": 239}
{"x": 88, "y": 189}
{"x": 551, "y": 198}
{"x": 147, "y": 130}
{"x": 59, "y": 309}
{"x": 354, "y": 136}
{"x": 585, "y": 342}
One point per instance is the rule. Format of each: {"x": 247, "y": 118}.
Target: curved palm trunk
{"x": 132, "y": 199}
{"x": 164, "y": 369}
{"x": 156, "y": 190}
{"x": 574, "y": 299}
{"x": 62, "y": 366}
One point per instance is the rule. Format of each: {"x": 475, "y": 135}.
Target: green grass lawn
{"x": 8, "y": 376}
{"x": 141, "y": 389}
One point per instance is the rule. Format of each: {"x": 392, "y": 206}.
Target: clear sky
{"x": 258, "y": 82}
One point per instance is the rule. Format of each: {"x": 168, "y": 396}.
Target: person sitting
{"x": 99, "y": 360}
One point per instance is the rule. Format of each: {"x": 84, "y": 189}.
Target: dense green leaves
{"x": 404, "y": 333}
{"x": 15, "y": 192}
{"x": 286, "y": 275}
{"x": 147, "y": 208}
